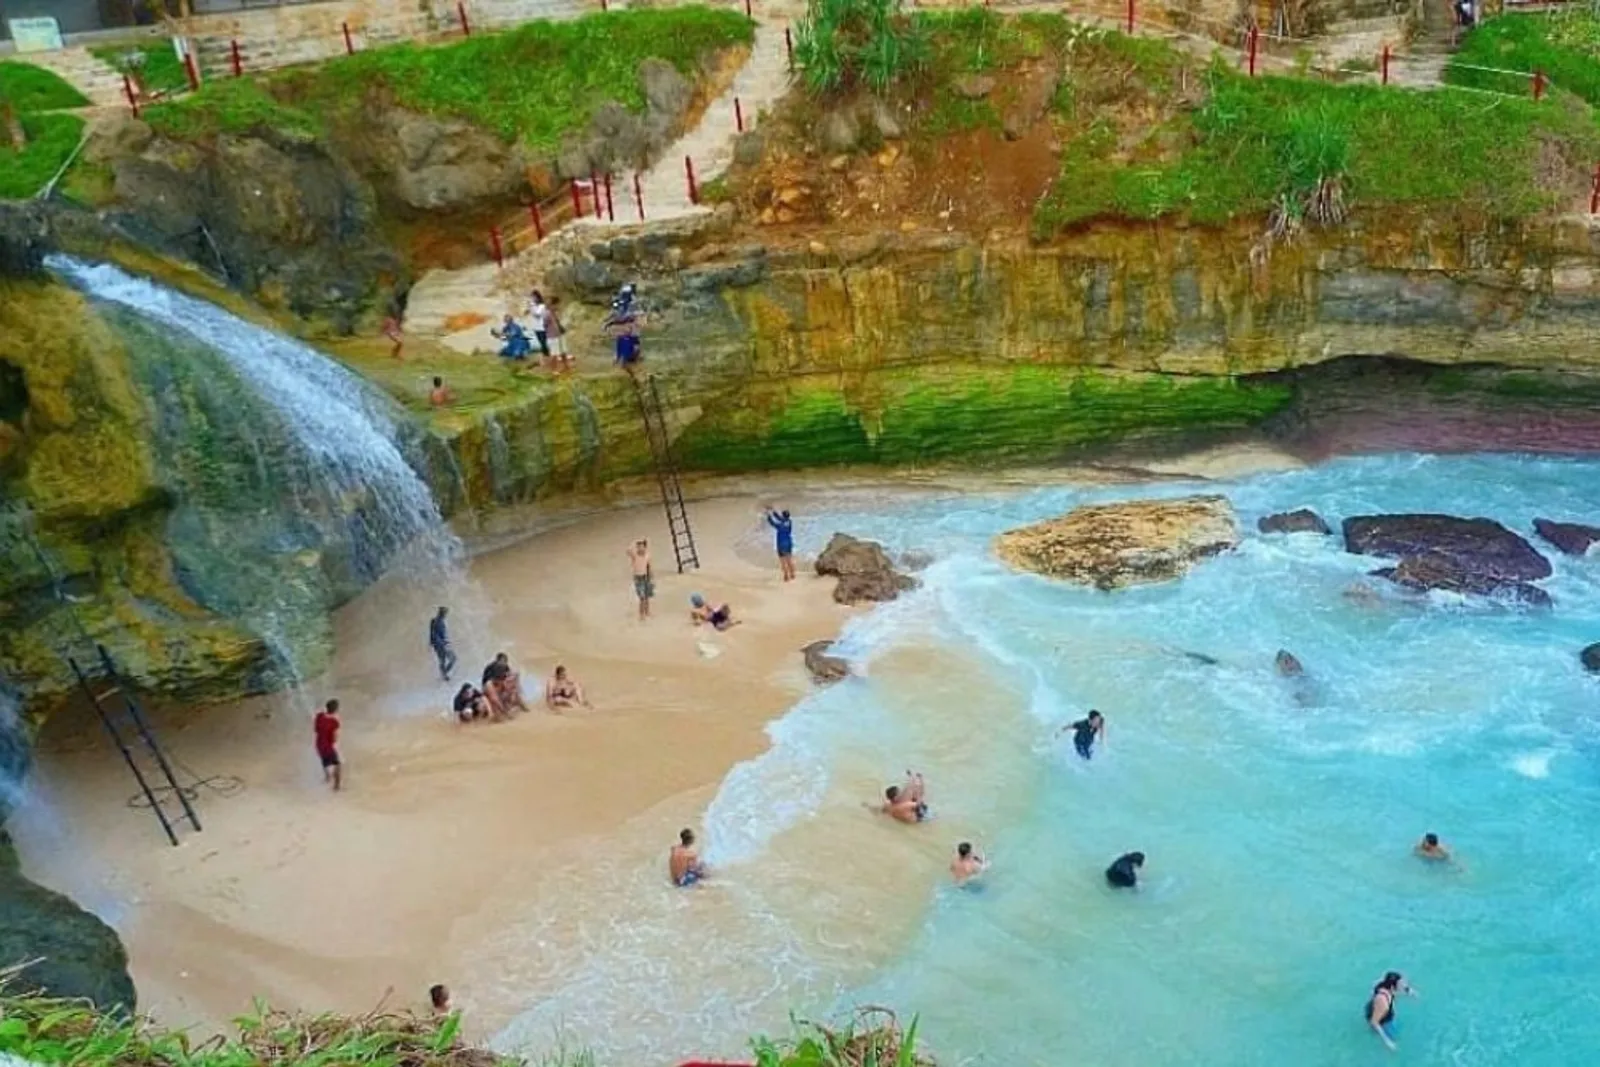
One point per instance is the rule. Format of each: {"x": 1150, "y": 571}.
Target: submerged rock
{"x": 1432, "y": 570}
{"x": 864, "y": 570}
{"x": 1591, "y": 657}
{"x": 1572, "y": 538}
{"x": 1301, "y": 520}
{"x": 825, "y": 669}
{"x": 1114, "y": 545}
{"x": 1478, "y": 547}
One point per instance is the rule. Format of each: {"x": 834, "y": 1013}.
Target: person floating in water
{"x": 783, "y": 527}
{"x": 563, "y": 691}
{"x": 906, "y": 803}
{"x": 1085, "y": 732}
{"x": 515, "y": 344}
{"x": 1288, "y": 664}
{"x": 439, "y": 641}
{"x": 644, "y": 586}
{"x": 439, "y": 999}
{"x": 326, "y": 728}
{"x": 470, "y": 703}
{"x": 1430, "y": 849}
{"x": 968, "y": 865}
{"x": 683, "y": 863}
{"x": 720, "y": 617}
{"x": 1124, "y": 870}
{"x": 1380, "y": 1008}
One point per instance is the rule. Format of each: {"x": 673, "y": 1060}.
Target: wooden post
{"x": 1383, "y": 64}
{"x": 190, "y": 69}
{"x": 494, "y": 246}
{"x": 1538, "y": 85}
{"x": 747, "y": 13}
{"x": 1255, "y": 36}
{"x": 1130, "y": 17}
{"x": 349, "y": 44}
{"x": 738, "y": 116}
{"x": 638, "y": 195}
{"x": 466, "y": 27}
{"x": 694, "y": 190}
{"x": 577, "y": 200}
{"x": 133, "y": 97}
{"x": 538, "y": 223}
{"x": 238, "y": 60}
{"x": 788, "y": 46}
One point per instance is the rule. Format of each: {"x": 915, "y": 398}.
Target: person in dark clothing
{"x": 1379, "y": 1011}
{"x": 1085, "y": 732}
{"x": 627, "y": 347}
{"x": 470, "y": 703}
{"x": 783, "y": 527}
{"x": 439, "y": 641}
{"x": 1124, "y": 870}
{"x": 326, "y": 728}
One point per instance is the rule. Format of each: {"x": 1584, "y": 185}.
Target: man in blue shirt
{"x": 783, "y": 527}
{"x": 439, "y": 641}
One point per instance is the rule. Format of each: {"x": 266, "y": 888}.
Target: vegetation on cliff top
{"x": 1563, "y": 45}
{"x": 31, "y": 92}
{"x": 533, "y": 84}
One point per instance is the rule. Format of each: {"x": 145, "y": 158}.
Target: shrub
{"x": 841, "y": 44}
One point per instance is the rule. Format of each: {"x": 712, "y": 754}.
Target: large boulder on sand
{"x": 1572, "y": 538}
{"x": 1134, "y": 541}
{"x": 864, "y": 570}
{"x": 1301, "y": 520}
{"x": 1478, "y": 557}
{"x": 825, "y": 669}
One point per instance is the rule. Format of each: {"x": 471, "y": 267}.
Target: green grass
{"x": 51, "y": 139}
{"x": 30, "y": 88}
{"x": 1254, "y": 139}
{"x": 160, "y": 70}
{"x": 1565, "y": 46}
{"x": 533, "y": 84}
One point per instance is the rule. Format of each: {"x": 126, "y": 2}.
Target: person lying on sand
{"x": 683, "y": 862}
{"x": 503, "y": 686}
{"x": 470, "y": 703}
{"x": 720, "y": 617}
{"x": 562, "y": 690}
{"x": 906, "y": 803}
{"x": 967, "y": 865}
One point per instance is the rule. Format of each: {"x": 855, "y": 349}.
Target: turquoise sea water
{"x": 1278, "y": 817}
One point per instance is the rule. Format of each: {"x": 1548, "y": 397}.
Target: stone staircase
{"x": 91, "y": 76}
{"x": 1423, "y": 65}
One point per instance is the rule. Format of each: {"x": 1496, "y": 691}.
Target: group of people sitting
{"x": 500, "y": 694}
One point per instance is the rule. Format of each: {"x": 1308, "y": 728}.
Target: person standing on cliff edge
{"x": 326, "y": 727}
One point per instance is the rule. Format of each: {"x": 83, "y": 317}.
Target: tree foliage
{"x": 841, "y": 44}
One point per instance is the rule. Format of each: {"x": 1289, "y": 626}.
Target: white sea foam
{"x": 1533, "y": 764}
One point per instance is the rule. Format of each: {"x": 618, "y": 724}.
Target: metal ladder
{"x": 655, "y": 428}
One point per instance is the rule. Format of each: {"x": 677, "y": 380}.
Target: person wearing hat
{"x": 700, "y": 612}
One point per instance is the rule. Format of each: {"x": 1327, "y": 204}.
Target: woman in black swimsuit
{"x": 1380, "y": 1007}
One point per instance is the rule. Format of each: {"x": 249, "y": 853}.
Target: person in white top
{"x": 539, "y": 319}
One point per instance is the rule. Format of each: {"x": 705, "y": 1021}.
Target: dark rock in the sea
{"x": 1478, "y": 549}
{"x": 1301, "y": 520}
{"x": 1573, "y": 538}
{"x": 825, "y": 669}
{"x": 1288, "y": 664}
{"x": 916, "y": 560}
{"x": 864, "y": 570}
{"x": 1433, "y": 570}
{"x": 1591, "y": 658}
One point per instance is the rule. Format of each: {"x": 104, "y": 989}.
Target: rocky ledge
{"x": 865, "y": 572}
{"x": 1477, "y": 557}
{"x": 1128, "y": 543}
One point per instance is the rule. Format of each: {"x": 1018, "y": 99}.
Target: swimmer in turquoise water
{"x": 1380, "y": 1007}
{"x": 1085, "y": 732}
{"x": 906, "y": 803}
{"x": 1429, "y": 848}
{"x": 968, "y": 866}
{"x": 683, "y": 863}
{"x": 1124, "y": 871}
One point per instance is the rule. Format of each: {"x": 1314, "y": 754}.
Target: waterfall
{"x": 13, "y": 750}
{"x": 501, "y": 477}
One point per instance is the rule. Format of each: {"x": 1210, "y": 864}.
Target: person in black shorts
{"x": 1124, "y": 870}
{"x": 1085, "y": 732}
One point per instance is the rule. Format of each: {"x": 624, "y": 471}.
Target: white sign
{"x": 35, "y": 35}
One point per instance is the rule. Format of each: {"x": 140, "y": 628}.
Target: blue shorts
{"x": 1085, "y": 748}
{"x": 690, "y": 877}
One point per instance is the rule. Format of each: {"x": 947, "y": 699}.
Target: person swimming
{"x": 1124, "y": 870}
{"x": 683, "y": 862}
{"x": 967, "y": 866}
{"x": 1085, "y": 732}
{"x": 1379, "y": 1011}
{"x": 906, "y": 803}
{"x": 1429, "y": 848}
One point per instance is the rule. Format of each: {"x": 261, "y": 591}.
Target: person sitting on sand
{"x": 967, "y": 865}
{"x": 720, "y": 617}
{"x": 683, "y": 862}
{"x": 563, "y": 691}
{"x": 1430, "y": 849}
{"x": 470, "y": 703}
{"x": 440, "y": 394}
{"x": 516, "y": 344}
{"x": 439, "y": 999}
{"x": 1124, "y": 870}
{"x": 906, "y": 803}
{"x": 503, "y": 686}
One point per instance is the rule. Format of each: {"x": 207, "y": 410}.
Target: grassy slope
{"x": 1137, "y": 146}
{"x": 1565, "y": 46}
{"x": 160, "y": 70}
{"x": 51, "y": 138}
{"x": 532, "y": 84}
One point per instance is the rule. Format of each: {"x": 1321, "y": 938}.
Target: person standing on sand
{"x": 683, "y": 862}
{"x": 783, "y": 530}
{"x": 539, "y": 319}
{"x": 644, "y": 586}
{"x": 439, "y": 641}
{"x": 326, "y": 728}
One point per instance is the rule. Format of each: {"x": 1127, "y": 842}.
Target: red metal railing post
{"x": 494, "y": 246}
{"x": 349, "y": 43}
{"x": 133, "y": 97}
{"x": 638, "y": 195}
{"x": 461, "y": 9}
{"x": 598, "y": 205}
{"x": 1594, "y": 192}
{"x": 1255, "y": 37}
{"x": 603, "y": 7}
{"x": 747, "y": 12}
{"x": 1383, "y": 64}
{"x": 611, "y": 205}
{"x": 788, "y": 46}
{"x": 538, "y": 223}
{"x": 577, "y": 200}
{"x": 1538, "y": 85}
{"x": 237, "y": 58}
{"x": 738, "y": 116}
{"x": 191, "y": 70}
{"x": 1130, "y": 17}
{"x": 694, "y": 190}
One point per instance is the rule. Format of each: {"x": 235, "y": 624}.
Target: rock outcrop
{"x": 1477, "y": 557}
{"x": 1590, "y": 658}
{"x": 1572, "y": 538}
{"x": 1127, "y": 543}
{"x": 866, "y": 573}
{"x": 1301, "y": 520}
{"x": 825, "y": 669}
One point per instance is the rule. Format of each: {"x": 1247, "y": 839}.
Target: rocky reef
{"x": 1478, "y": 557}
{"x": 1130, "y": 542}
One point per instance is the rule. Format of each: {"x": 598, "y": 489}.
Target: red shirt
{"x": 327, "y": 731}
